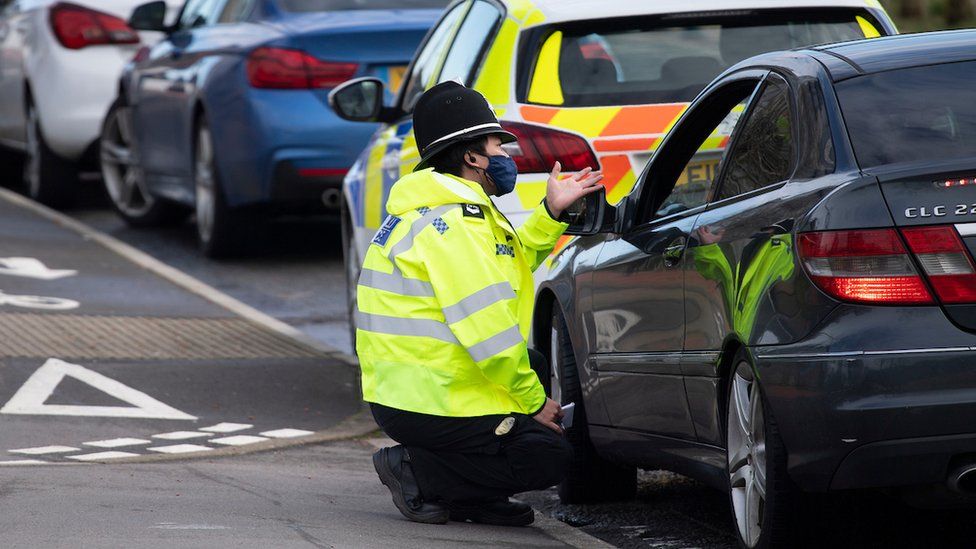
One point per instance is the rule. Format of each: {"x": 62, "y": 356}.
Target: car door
{"x": 13, "y": 32}
{"x": 638, "y": 311}
{"x": 741, "y": 248}
{"x": 165, "y": 84}
{"x": 453, "y": 50}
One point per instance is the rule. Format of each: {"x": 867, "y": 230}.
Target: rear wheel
{"x": 221, "y": 231}
{"x": 122, "y": 177}
{"x": 49, "y": 179}
{"x": 761, "y": 494}
{"x": 353, "y": 265}
{"x": 590, "y": 478}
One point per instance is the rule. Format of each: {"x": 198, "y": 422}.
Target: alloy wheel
{"x": 206, "y": 194}
{"x": 555, "y": 385}
{"x": 119, "y": 169}
{"x": 747, "y": 454}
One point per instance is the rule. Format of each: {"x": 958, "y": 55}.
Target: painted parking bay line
{"x": 180, "y": 449}
{"x": 286, "y": 433}
{"x": 182, "y": 435}
{"x": 226, "y": 427}
{"x": 238, "y": 440}
{"x": 31, "y": 397}
{"x": 42, "y": 450}
{"x": 117, "y": 442}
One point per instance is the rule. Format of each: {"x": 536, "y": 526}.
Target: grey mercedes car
{"x": 801, "y": 318}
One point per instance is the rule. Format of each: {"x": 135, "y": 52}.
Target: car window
{"x": 198, "y": 13}
{"x": 666, "y": 59}
{"x": 429, "y": 58}
{"x": 336, "y": 5}
{"x": 469, "y": 43}
{"x": 764, "y": 152}
{"x": 235, "y": 11}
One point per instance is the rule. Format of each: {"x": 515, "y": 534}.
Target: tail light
{"x": 78, "y": 27}
{"x": 946, "y": 262}
{"x": 866, "y": 266}
{"x": 287, "y": 69}
{"x": 539, "y": 147}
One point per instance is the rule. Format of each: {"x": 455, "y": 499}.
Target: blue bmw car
{"x": 228, "y": 116}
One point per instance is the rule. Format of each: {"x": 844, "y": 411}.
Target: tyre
{"x": 49, "y": 179}
{"x": 589, "y": 477}
{"x": 124, "y": 185}
{"x": 762, "y": 497}
{"x": 353, "y": 265}
{"x": 221, "y": 231}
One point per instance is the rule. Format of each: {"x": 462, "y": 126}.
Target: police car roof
{"x": 850, "y": 59}
{"x": 575, "y": 10}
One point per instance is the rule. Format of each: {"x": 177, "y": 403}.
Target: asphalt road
{"x": 296, "y": 275}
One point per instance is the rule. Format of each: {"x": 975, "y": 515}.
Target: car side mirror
{"x": 590, "y": 215}
{"x": 358, "y": 100}
{"x": 149, "y": 17}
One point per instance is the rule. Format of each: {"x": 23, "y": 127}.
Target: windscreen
{"x": 922, "y": 113}
{"x": 340, "y": 5}
{"x": 671, "y": 59}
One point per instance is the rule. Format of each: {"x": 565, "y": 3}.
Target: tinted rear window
{"x": 922, "y": 113}
{"x": 339, "y": 5}
{"x": 671, "y": 59}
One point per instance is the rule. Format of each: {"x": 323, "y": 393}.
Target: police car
{"x": 583, "y": 82}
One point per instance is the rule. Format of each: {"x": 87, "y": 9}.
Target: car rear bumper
{"x": 873, "y": 419}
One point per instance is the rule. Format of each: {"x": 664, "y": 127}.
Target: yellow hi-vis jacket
{"x": 445, "y": 302}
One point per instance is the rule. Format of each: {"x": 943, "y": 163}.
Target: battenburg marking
{"x": 383, "y": 234}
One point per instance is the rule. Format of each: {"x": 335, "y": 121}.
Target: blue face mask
{"x": 503, "y": 173}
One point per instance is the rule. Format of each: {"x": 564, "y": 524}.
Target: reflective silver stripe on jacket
{"x": 392, "y": 325}
{"x": 477, "y": 301}
{"x": 495, "y": 344}
{"x": 396, "y": 283}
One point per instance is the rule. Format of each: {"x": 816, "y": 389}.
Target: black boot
{"x": 499, "y": 512}
{"x": 393, "y": 467}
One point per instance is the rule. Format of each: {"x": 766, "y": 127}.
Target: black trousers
{"x": 463, "y": 459}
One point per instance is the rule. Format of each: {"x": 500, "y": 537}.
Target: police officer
{"x": 445, "y": 306}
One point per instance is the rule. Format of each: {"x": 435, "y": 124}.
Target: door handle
{"x": 674, "y": 252}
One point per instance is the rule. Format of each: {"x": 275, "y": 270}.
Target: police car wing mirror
{"x": 358, "y": 100}
{"x": 150, "y": 16}
{"x": 590, "y": 215}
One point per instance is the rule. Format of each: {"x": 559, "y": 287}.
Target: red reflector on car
{"x": 538, "y": 148}
{"x": 863, "y": 266}
{"x": 322, "y": 172}
{"x": 288, "y": 69}
{"x": 945, "y": 261}
{"x": 77, "y": 27}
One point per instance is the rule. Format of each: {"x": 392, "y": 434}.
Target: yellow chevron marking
{"x": 590, "y": 121}
{"x": 546, "y": 89}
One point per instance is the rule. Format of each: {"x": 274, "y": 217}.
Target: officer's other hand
{"x": 550, "y": 415}
{"x": 561, "y": 193}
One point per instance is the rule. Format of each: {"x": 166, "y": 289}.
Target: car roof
{"x": 573, "y": 10}
{"x": 849, "y": 59}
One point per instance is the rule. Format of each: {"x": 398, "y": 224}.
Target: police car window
{"x": 198, "y": 13}
{"x": 765, "y": 151}
{"x": 235, "y": 11}
{"x": 470, "y": 40}
{"x": 666, "y": 59}
{"x": 429, "y": 58}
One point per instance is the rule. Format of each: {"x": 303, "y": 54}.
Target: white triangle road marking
{"x": 30, "y": 398}
{"x": 29, "y": 267}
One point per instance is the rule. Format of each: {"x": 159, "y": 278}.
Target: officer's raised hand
{"x": 562, "y": 193}
{"x": 550, "y": 415}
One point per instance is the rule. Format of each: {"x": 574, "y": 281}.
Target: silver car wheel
{"x": 206, "y": 192}
{"x": 555, "y": 385}
{"x": 119, "y": 169}
{"x": 747, "y": 455}
{"x": 32, "y": 162}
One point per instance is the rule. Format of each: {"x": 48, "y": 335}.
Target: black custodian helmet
{"x": 449, "y": 113}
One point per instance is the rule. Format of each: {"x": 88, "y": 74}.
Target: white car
{"x": 59, "y": 69}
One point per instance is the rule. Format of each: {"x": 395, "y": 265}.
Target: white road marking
{"x": 117, "y": 442}
{"x": 227, "y": 427}
{"x": 182, "y": 435}
{"x": 239, "y": 440}
{"x": 22, "y": 462}
{"x": 286, "y": 433}
{"x": 29, "y": 267}
{"x": 41, "y": 450}
{"x": 180, "y": 449}
{"x": 38, "y": 302}
{"x": 100, "y": 456}
{"x": 30, "y": 399}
